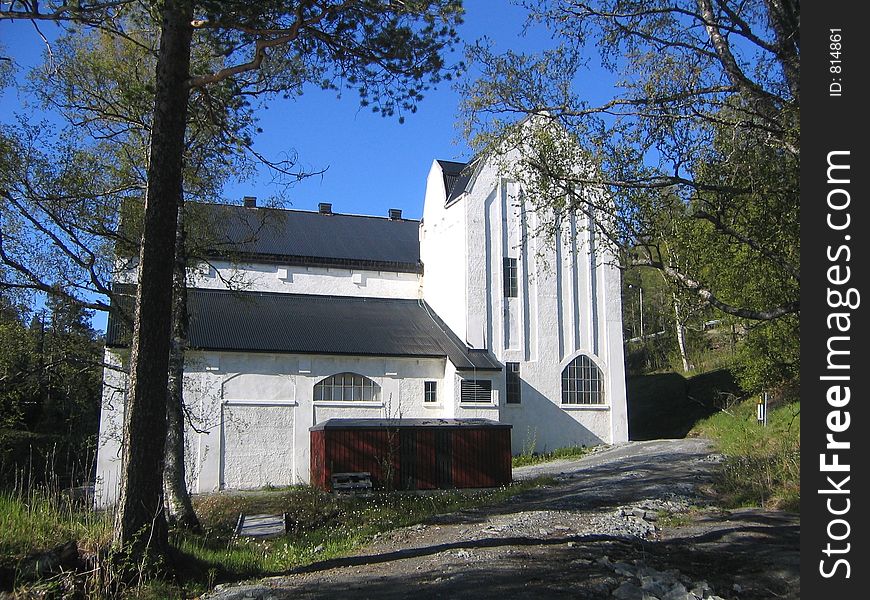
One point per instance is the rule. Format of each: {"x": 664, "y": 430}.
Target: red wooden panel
{"x": 479, "y": 457}
{"x": 319, "y": 474}
{"x": 460, "y": 458}
{"x": 427, "y": 477}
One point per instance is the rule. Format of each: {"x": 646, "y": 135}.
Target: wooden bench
{"x": 352, "y": 483}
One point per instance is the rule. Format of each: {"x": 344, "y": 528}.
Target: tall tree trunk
{"x": 174, "y": 484}
{"x": 681, "y": 337}
{"x": 140, "y": 522}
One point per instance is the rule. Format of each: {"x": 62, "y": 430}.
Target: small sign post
{"x": 761, "y": 409}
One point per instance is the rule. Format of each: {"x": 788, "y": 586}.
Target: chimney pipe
{"x": 395, "y": 214}
{"x": 250, "y": 201}
{"x": 324, "y": 208}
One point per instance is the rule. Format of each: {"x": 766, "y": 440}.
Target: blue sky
{"x": 372, "y": 163}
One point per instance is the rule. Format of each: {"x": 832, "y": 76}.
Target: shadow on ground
{"x": 745, "y": 554}
{"x": 733, "y": 550}
{"x": 667, "y": 405}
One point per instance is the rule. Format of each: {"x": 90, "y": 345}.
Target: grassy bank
{"x": 322, "y": 526}
{"x": 762, "y": 464}
{"x": 38, "y": 521}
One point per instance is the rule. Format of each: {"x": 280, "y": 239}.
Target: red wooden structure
{"x": 413, "y": 454}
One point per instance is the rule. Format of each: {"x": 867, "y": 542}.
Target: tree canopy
{"x": 388, "y": 52}
{"x": 691, "y": 167}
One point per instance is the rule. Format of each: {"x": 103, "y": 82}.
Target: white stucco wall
{"x": 106, "y": 483}
{"x": 568, "y": 304}
{"x": 294, "y": 279}
{"x": 253, "y": 412}
{"x": 443, "y": 253}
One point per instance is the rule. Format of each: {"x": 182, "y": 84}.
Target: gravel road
{"x": 599, "y": 532}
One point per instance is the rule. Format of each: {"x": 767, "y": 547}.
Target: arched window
{"x": 347, "y": 387}
{"x": 582, "y": 382}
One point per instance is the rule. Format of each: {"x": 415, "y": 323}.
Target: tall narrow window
{"x": 430, "y": 392}
{"x": 582, "y": 382}
{"x": 512, "y": 382}
{"x": 510, "y": 278}
{"x": 347, "y": 387}
{"x": 475, "y": 390}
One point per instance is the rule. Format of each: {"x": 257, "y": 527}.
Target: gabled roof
{"x": 304, "y": 324}
{"x": 311, "y": 238}
{"x": 450, "y": 171}
{"x": 456, "y": 176}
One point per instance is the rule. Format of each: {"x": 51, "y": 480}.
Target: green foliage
{"x": 769, "y": 355}
{"x": 39, "y": 520}
{"x": 16, "y": 355}
{"x": 50, "y": 395}
{"x": 762, "y": 464}
{"x": 58, "y": 216}
{"x": 390, "y": 54}
{"x": 691, "y": 168}
{"x": 536, "y": 458}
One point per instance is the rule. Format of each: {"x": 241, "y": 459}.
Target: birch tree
{"x": 695, "y": 155}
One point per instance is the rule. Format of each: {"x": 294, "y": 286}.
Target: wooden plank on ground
{"x": 261, "y": 526}
{"x": 352, "y": 483}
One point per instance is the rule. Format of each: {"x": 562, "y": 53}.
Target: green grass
{"x": 322, "y": 527}
{"x": 535, "y": 458}
{"x": 762, "y": 464}
{"x": 38, "y": 521}
{"x": 665, "y": 518}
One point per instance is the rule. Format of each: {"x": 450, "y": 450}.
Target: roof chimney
{"x": 250, "y": 201}
{"x": 324, "y": 208}
{"x": 395, "y": 214}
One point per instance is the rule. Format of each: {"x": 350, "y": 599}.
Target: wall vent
{"x": 475, "y": 390}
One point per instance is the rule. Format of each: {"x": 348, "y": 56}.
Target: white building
{"x": 345, "y": 316}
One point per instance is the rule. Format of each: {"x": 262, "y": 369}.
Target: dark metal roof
{"x": 312, "y": 238}
{"x": 417, "y": 423}
{"x": 456, "y": 177}
{"x": 304, "y": 324}
{"x": 450, "y": 171}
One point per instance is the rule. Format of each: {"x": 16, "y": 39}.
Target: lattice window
{"x": 512, "y": 382}
{"x": 347, "y": 387}
{"x": 430, "y": 392}
{"x": 511, "y": 283}
{"x": 582, "y": 382}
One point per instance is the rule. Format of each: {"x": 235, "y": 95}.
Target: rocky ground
{"x": 628, "y": 522}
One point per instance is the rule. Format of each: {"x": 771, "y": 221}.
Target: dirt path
{"x": 596, "y": 533}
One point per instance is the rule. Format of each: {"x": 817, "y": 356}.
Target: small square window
{"x": 430, "y": 392}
